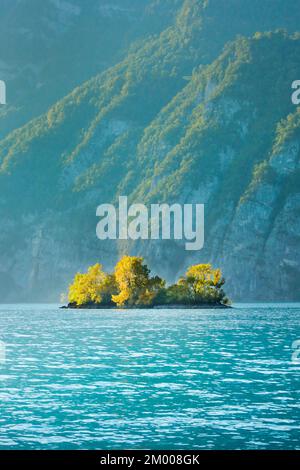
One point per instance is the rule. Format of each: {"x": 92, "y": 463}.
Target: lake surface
{"x": 173, "y": 379}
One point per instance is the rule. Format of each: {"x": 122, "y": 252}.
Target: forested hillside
{"x": 198, "y": 109}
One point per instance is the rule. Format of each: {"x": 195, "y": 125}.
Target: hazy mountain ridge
{"x": 177, "y": 120}
{"x": 47, "y": 48}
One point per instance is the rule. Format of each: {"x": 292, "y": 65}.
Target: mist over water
{"x": 173, "y": 379}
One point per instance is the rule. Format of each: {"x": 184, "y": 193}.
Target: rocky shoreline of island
{"x": 153, "y": 307}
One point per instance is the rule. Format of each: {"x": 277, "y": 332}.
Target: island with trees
{"x": 131, "y": 286}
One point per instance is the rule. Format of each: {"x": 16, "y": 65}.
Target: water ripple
{"x": 149, "y": 379}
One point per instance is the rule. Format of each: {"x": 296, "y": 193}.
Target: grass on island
{"x": 131, "y": 286}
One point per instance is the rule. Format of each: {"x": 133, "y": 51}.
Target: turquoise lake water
{"x": 173, "y": 379}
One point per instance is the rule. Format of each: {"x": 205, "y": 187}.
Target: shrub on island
{"x": 201, "y": 285}
{"x": 131, "y": 286}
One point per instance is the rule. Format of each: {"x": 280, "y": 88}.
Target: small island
{"x": 131, "y": 286}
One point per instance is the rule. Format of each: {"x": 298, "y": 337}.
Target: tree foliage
{"x": 201, "y": 285}
{"x": 136, "y": 288}
{"x": 94, "y": 287}
{"x": 132, "y": 286}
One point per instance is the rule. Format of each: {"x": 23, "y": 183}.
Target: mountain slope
{"x": 168, "y": 123}
{"x": 47, "y": 48}
{"x": 209, "y": 145}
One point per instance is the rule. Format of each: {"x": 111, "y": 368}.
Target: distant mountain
{"x": 48, "y": 47}
{"x": 196, "y": 113}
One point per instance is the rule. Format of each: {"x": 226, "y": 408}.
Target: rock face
{"x": 184, "y": 117}
{"x": 264, "y": 235}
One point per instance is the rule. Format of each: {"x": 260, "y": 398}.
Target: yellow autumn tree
{"x": 131, "y": 286}
{"x": 205, "y": 284}
{"x": 136, "y": 288}
{"x": 95, "y": 287}
{"x": 201, "y": 284}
